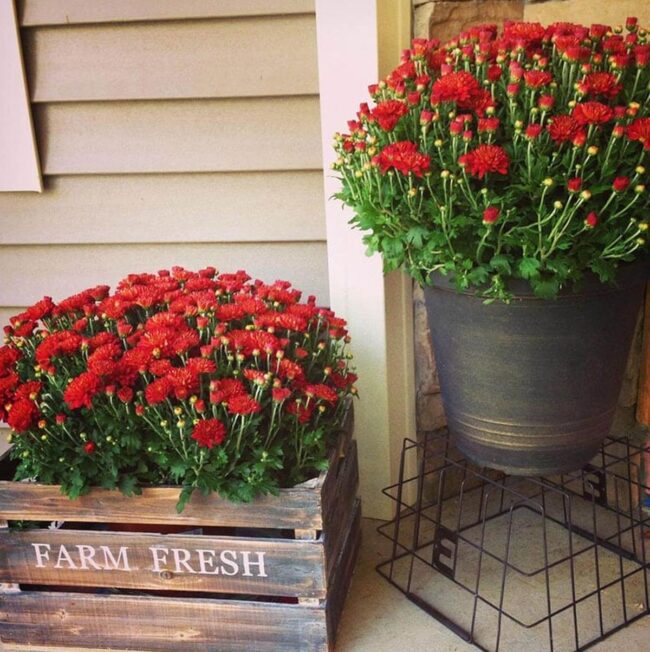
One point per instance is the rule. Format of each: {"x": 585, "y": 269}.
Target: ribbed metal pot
{"x": 530, "y": 387}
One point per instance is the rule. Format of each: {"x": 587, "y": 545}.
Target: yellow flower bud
{"x": 438, "y": 142}
{"x": 358, "y": 174}
{"x": 585, "y": 194}
{"x": 548, "y": 182}
{"x": 558, "y": 205}
{"x": 640, "y": 241}
{"x": 592, "y": 150}
{"x": 445, "y": 174}
{"x": 639, "y": 188}
{"x": 412, "y": 192}
{"x": 643, "y": 226}
{"x": 639, "y": 169}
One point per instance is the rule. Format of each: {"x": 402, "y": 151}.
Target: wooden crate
{"x": 269, "y": 575}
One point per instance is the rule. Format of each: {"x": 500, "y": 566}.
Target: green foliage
{"x": 423, "y": 208}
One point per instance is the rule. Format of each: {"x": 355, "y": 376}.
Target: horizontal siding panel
{"x": 230, "y": 207}
{"x": 30, "y": 272}
{"x": 64, "y": 12}
{"x": 194, "y": 59}
{"x": 179, "y": 136}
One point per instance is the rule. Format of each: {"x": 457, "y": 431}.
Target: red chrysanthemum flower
{"x": 387, "y": 114}
{"x": 209, "y": 433}
{"x": 8, "y": 357}
{"x": 23, "y": 415}
{"x": 322, "y": 392}
{"x": 243, "y": 404}
{"x": 592, "y": 113}
{"x": 404, "y": 157}
{"x": 491, "y": 214}
{"x": 488, "y": 125}
{"x": 640, "y": 130}
{"x": 591, "y": 221}
{"x": 222, "y": 390}
{"x": 537, "y": 78}
{"x": 601, "y": 83}
{"x": 31, "y": 389}
{"x": 158, "y": 390}
{"x": 574, "y": 184}
{"x": 301, "y": 410}
{"x": 563, "y": 128}
{"x": 620, "y": 184}
{"x": 184, "y": 381}
{"x": 280, "y": 394}
{"x": 527, "y": 32}
{"x": 485, "y": 159}
{"x": 40, "y": 309}
{"x": 460, "y": 87}
{"x": 80, "y": 392}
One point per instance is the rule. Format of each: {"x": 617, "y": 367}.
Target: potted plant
{"x": 206, "y": 381}
{"x": 176, "y": 382}
{"x": 506, "y": 173}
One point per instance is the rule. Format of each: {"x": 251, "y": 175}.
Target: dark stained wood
{"x": 314, "y": 568}
{"x": 252, "y": 566}
{"x": 339, "y": 508}
{"x": 342, "y": 578}
{"x": 37, "y": 502}
{"x": 159, "y": 624}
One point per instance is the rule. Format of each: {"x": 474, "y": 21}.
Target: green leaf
{"x": 416, "y": 235}
{"x": 529, "y": 268}
{"x": 546, "y": 289}
{"x": 501, "y": 264}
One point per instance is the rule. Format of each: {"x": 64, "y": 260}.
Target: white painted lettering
{"x": 87, "y": 557}
{"x": 181, "y": 557}
{"x": 64, "y": 556}
{"x": 229, "y": 558}
{"x": 206, "y": 562}
{"x": 110, "y": 563}
{"x": 41, "y": 555}
{"x": 159, "y": 557}
{"x": 259, "y": 563}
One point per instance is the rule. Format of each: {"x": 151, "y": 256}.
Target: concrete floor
{"x": 378, "y": 618}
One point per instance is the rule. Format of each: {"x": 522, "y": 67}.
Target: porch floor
{"x": 378, "y": 618}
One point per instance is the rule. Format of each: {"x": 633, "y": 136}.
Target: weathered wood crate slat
{"x": 269, "y": 575}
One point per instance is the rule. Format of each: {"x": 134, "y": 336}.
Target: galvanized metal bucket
{"x": 530, "y": 387}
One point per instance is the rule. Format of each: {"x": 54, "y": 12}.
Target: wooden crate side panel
{"x": 37, "y": 502}
{"x": 337, "y": 456}
{"x": 339, "y": 507}
{"x": 158, "y": 624}
{"x": 238, "y": 565}
{"x": 342, "y": 578}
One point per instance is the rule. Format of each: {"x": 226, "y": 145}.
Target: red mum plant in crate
{"x": 211, "y": 382}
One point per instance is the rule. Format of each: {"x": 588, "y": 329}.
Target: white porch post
{"x": 378, "y": 309}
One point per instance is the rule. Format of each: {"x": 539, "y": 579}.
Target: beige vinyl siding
{"x": 65, "y": 12}
{"x": 79, "y": 266}
{"x": 171, "y": 132}
{"x": 191, "y": 59}
{"x": 277, "y": 206}
{"x": 179, "y": 135}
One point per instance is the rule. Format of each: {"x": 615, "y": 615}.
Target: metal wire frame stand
{"x": 513, "y": 563}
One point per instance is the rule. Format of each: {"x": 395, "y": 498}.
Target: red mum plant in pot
{"x": 506, "y": 173}
{"x": 211, "y": 382}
